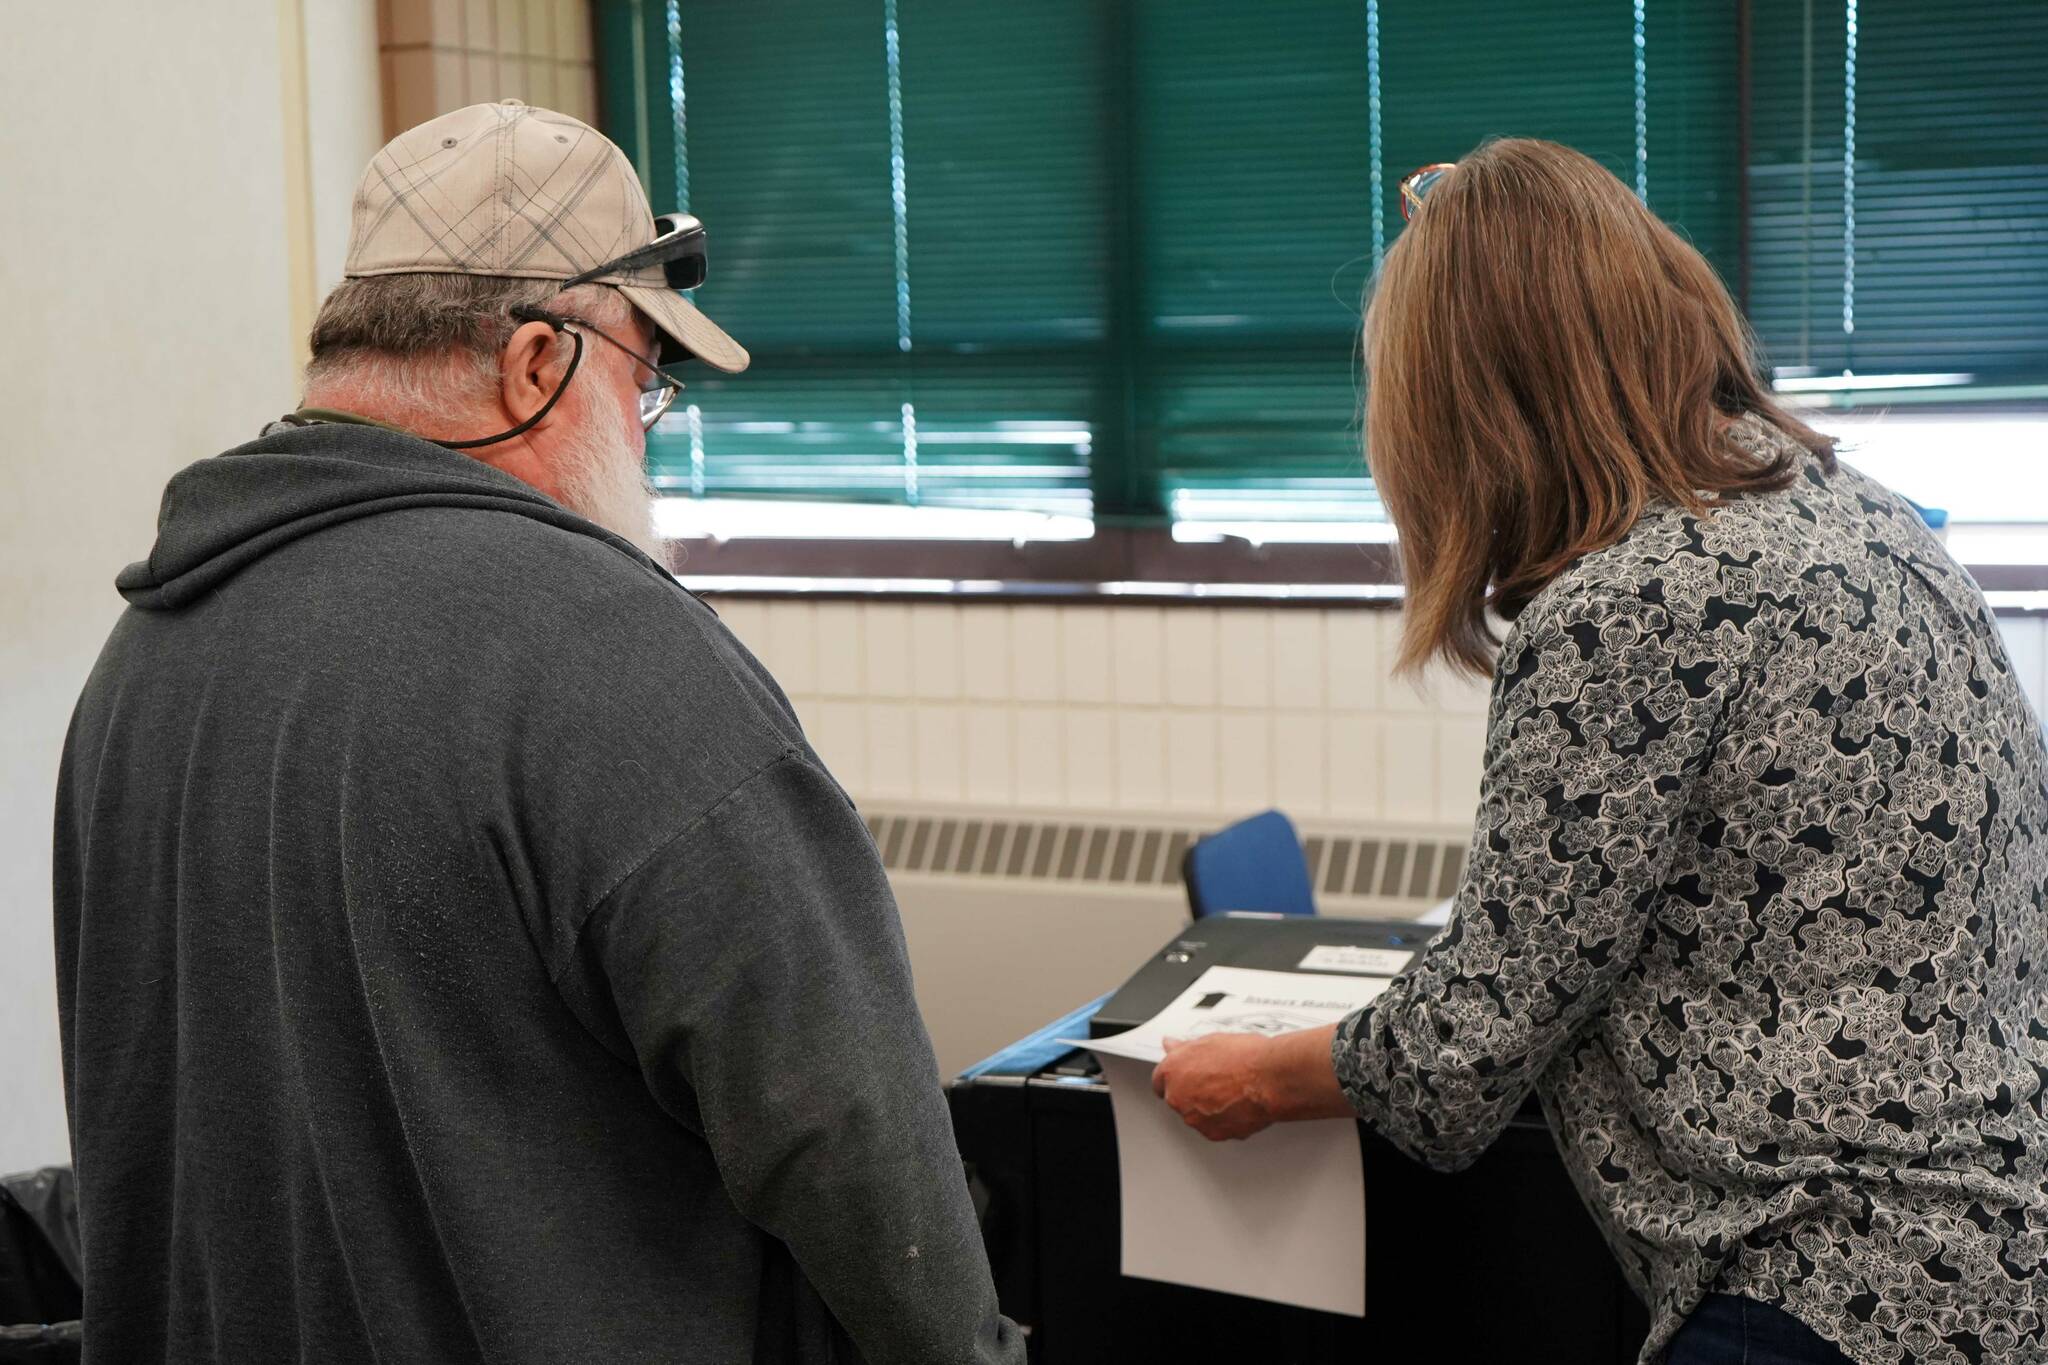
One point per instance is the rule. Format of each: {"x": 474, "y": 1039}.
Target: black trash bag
{"x": 40, "y": 1298}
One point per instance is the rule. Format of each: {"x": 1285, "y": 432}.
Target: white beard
{"x": 604, "y": 477}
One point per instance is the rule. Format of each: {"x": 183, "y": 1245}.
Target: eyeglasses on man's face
{"x": 657, "y": 392}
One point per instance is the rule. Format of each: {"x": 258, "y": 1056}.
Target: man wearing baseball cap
{"x": 462, "y": 955}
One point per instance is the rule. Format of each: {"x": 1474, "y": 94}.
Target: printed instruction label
{"x": 1343, "y": 957}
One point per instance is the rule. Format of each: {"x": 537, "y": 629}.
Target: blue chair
{"x": 1935, "y": 518}
{"x": 1255, "y": 864}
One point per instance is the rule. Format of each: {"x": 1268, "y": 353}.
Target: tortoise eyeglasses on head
{"x": 1418, "y": 183}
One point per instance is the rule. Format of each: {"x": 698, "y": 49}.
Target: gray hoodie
{"x": 463, "y": 957}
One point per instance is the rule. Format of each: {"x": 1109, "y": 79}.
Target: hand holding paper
{"x": 1235, "y": 1000}
{"x": 1231, "y": 1085}
{"x": 1280, "y": 1216}
{"x": 1213, "y": 1084}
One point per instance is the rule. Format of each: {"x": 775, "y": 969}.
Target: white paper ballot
{"x": 1279, "y": 1216}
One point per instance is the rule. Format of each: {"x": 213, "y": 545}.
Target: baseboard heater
{"x": 1361, "y": 871}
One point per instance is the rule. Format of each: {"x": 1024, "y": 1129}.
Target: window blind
{"x": 1108, "y": 255}
{"x": 908, "y": 243}
{"x": 1006, "y": 269}
{"x": 1253, "y": 207}
{"x": 1271, "y": 155}
{"x": 1899, "y": 191}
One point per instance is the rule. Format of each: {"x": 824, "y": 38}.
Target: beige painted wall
{"x": 148, "y": 281}
{"x": 344, "y": 123}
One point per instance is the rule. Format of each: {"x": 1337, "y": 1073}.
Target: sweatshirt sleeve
{"x": 1603, "y": 716}
{"x": 757, "y": 964}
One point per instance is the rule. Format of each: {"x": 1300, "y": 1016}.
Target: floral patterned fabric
{"x": 1758, "y": 903}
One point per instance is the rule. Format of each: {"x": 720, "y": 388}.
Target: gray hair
{"x": 421, "y": 339}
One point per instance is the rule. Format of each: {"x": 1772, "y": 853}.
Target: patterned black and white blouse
{"x": 1758, "y": 903}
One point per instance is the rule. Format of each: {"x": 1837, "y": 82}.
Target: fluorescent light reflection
{"x": 1306, "y": 512}
{"x": 1285, "y": 532}
{"x": 775, "y": 519}
{"x": 1788, "y": 382}
{"x": 1346, "y": 591}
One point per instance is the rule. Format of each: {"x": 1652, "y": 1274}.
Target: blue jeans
{"x": 1726, "y": 1330}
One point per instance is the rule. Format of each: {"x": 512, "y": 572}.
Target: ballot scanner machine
{"x": 1497, "y": 1262}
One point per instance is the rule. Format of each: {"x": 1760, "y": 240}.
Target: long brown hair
{"x": 1544, "y": 357}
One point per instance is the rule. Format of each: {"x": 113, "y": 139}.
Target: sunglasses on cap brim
{"x": 678, "y": 248}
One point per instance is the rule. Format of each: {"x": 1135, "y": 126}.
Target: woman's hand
{"x": 1216, "y": 1084}
{"x": 1231, "y": 1085}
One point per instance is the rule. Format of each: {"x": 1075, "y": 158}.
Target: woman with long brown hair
{"x": 1757, "y": 900}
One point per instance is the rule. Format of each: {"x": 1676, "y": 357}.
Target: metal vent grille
{"x": 1366, "y": 866}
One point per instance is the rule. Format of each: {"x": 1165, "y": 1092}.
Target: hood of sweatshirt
{"x": 222, "y": 514}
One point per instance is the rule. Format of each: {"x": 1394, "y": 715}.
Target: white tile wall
{"x": 885, "y": 648}
{"x": 1085, "y": 654}
{"x": 1034, "y": 653}
{"x": 1138, "y": 656}
{"x": 985, "y": 647}
{"x": 839, "y": 652}
{"x": 1141, "y": 757}
{"x": 1220, "y": 711}
{"x": 1301, "y": 756}
{"x": 1190, "y": 657}
{"x": 1351, "y": 660}
{"x": 1090, "y": 777}
{"x": 1353, "y": 743}
{"x": 793, "y": 643}
{"x": 1297, "y": 660}
{"x": 989, "y": 739}
{"x": 1041, "y": 770}
{"x": 940, "y": 774}
{"x": 1408, "y": 767}
{"x": 892, "y": 741}
{"x": 1244, "y": 753}
{"x": 1216, "y": 711}
{"x": 838, "y": 730}
{"x": 1193, "y": 773}
{"x": 935, "y": 655}
{"x": 1244, "y": 659}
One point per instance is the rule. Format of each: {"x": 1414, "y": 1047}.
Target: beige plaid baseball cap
{"x": 508, "y": 189}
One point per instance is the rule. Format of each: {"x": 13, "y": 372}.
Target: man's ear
{"x": 527, "y": 372}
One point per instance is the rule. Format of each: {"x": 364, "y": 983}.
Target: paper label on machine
{"x": 1345, "y": 957}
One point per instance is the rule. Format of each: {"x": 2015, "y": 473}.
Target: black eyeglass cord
{"x": 526, "y": 313}
{"x": 529, "y": 313}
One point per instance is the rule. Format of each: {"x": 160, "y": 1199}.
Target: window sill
{"x": 1126, "y": 565}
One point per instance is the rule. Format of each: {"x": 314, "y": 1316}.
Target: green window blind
{"x": 784, "y": 128}
{"x": 909, "y": 246}
{"x": 1899, "y": 191}
{"x": 1253, "y": 210}
{"x": 1269, "y": 156}
{"x": 1108, "y": 254}
{"x": 1007, "y": 271}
